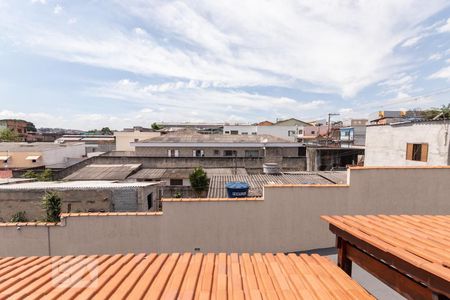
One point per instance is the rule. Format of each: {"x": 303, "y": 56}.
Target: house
{"x": 20, "y": 127}
{"x": 35, "y": 155}
{"x": 411, "y": 143}
{"x": 130, "y": 135}
{"x": 79, "y": 196}
{"x": 188, "y": 143}
{"x": 354, "y": 134}
{"x": 95, "y": 144}
{"x": 291, "y": 122}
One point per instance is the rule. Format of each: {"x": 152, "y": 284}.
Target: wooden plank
{"x": 398, "y": 259}
{"x": 145, "y": 281}
{"x": 396, "y": 280}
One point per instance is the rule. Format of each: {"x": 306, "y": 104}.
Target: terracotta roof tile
{"x": 176, "y": 276}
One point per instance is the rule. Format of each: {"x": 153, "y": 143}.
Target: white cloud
{"x": 58, "y": 9}
{"x": 260, "y": 43}
{"x": 445, "y": 27}
{"x": 443, "y": 73}
{"x": 412, "y": 41}
{"x": 435, "y": 56}
{"x": 39, "y": 1}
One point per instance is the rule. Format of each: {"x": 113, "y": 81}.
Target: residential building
{"x": 131, "y": 135}
{"x": 35, "y": 155}
{"x": 95, "y": 144}
{"x": 291, "y": 122}
{"x": 17, "y": 126}
{"x": 79, "y": 196}
{"x": 410, "y": 143}
{"x": 285, "y": 132}
{"x": 188, "y": 143}
{"x": 353, "y": 134}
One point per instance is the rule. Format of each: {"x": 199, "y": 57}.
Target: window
{"x": 172, "y": 153}
{"x": 216, "y": 152}
{"x": 244, "y": 133}
{"x": 291, "y": 132}
{"x": 253, "y": 133}
{"x": 33, "y": 161}
{"x": 176, "y": 181}
{"x": 227, "y": 132}
{"x": 313, "y": 132}
{"x": 251, "y": 153}
{"x": 229, "y": 153}
{"x": 417, "y": 152}
{"x": 234, "y": 132}
{"x": 198, "y": 153}
{"x": 150, "y": 201}
{"x": 300, "y": 131}
{"x": 302, "y": 151}
{"x": 136, "y": 140}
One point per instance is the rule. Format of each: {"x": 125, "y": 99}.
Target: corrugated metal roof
{"x": 225, "y": 171}
{"x": 257, "y": 182}
{"x": 148, "y": 174}
{"x": 176, "y": 276}
{"x": 104, "y": 172}
{"x": 73, "y": 185}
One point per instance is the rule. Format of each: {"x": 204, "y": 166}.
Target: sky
{"x": 90, "y": 64}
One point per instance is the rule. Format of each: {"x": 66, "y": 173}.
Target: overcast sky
{"x": 88, "y": 64}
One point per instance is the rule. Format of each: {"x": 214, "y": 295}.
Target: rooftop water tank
{"x": 271, "y": 168}
{"x": 237, "y": 189}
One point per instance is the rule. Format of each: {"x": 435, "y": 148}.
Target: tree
{"x": 51, "y": 202}
{"x": 156, "y": 126}
{"x": 106, "y": 131}
{"x": 199, "y": 180}
{"x": 46, "y": 175}
{"x": 31, "y": 127}
{"x": 438, "y": 113}
{"x": 7, "y": 135}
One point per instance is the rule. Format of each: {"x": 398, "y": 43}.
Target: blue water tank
{"x": 237, "y": 189}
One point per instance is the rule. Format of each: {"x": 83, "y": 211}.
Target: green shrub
{"x": 19, "y": 216}
{"x": 51, "y": 202}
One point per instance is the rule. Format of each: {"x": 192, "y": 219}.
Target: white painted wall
{"x": 277, "y": 131}
{"x": 62, "y": 153}
{"x": 124, "y": 138}
{"x": 386, "y": 145}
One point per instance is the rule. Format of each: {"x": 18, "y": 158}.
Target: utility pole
{"x": 329, "y": 126}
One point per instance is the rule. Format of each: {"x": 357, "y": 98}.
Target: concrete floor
{"x": 370, "y": 283}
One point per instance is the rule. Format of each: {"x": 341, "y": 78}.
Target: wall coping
{"x": 398, "y": 167}
{"x": 29, "y": 224}
{"x": 110, "y": 214}
{"x": 211, "y": 199}
{"x": 307, "y": 185}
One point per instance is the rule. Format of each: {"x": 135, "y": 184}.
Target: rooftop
{"x": 71, "y": 185}
{"x": 177, "y": 276}
{"x": 257, "y": 182}
{"x": 30, "y": 147}
{"x": 104, "y": 172}
{"x": 188, "y": 137}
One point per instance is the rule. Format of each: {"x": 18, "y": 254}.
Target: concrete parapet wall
{"x": 286, "y": 219}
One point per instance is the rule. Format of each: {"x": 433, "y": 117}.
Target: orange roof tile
{"x": 176, "y": 276}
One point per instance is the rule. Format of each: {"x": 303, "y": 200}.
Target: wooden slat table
{"x": 411, "y": 254}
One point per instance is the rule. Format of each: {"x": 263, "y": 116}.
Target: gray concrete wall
{"x": 287, "y": 163}
{"x": 80, "y": 200}
{"x": 287, "y": 219}
{"x": 210, "y": 152}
